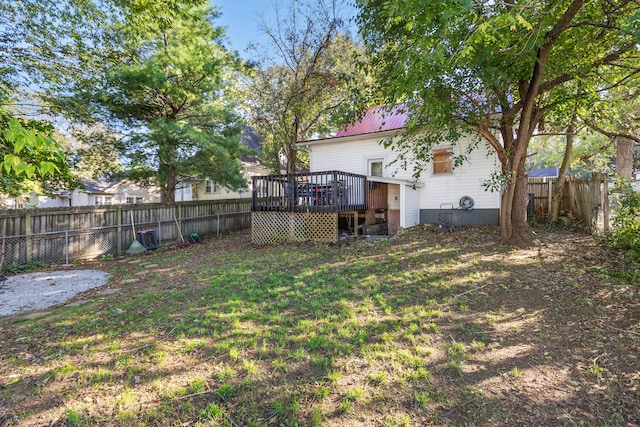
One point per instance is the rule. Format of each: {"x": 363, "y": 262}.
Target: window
{"x": 103, "y": 200}
{"x": 211, "y": 187}
{"x": 442, "y": 161}
{"x": 134, "y": 200}
{"x": 375, "y": 167}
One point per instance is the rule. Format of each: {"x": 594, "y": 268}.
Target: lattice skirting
{"x": 278, "y": 227}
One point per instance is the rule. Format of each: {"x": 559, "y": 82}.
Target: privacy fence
{"x": 63, "y": 235}
{"x": 585, "y": 199}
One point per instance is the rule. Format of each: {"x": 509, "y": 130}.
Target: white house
{"x": 95, "y": 193}
{"x": 444, "y": 191}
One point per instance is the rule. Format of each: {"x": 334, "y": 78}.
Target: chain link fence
{"x": 64, "y": 247}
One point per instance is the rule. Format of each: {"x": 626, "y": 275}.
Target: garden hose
{"x": 466, "y": 203}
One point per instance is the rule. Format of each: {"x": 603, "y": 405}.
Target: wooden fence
{"x": 585, "y": 199}
{"x": 60, "y": 235}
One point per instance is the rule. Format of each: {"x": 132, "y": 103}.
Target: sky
{"x": 241, "y": 17}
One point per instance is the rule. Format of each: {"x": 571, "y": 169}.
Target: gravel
{"x": 37, "y": 291}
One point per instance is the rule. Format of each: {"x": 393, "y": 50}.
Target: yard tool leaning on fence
{"x": 136, "y": 247}
{"x": 183, "y": 244}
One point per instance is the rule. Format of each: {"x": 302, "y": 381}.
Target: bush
{"x": 626, "y": 224}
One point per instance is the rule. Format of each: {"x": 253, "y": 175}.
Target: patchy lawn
{"x": 423, "y": 329}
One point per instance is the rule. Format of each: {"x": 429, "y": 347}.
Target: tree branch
{"x": 613, "y": 135}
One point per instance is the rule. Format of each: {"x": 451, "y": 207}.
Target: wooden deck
{"x": 331, "y": 191}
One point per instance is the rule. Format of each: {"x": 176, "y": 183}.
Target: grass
{"x": 408, "y": 331}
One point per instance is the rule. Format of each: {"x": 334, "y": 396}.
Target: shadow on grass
{"x": 431, "y": 329}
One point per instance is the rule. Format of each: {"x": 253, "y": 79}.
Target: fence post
{"x": 28, "y": 231}
{"x": 218, "y": 225}
{"x": 605, "y": 202}
{"x": 66, "y": 247}
{"x": 119, "y": 230}
{"x": 159, "y": 232}
{"x": 178, "y": 216}
{"x": 550, "y": 184}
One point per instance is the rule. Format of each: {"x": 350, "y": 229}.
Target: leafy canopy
{"x": 458, "y": 65}
{"x": 495, "y": 69}
{"x": 302, "y": 90}
{"x": 30, "y": 158}
{"x": 168, "y": 101}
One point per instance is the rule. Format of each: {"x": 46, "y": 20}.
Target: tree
{"x": 46, "y": 47}
{"x": 301, "y": 90}
{"x": 617, "y": 118}
{"x": 167, "y": 101}
{"x": 495, "y": 69}
{"x": 46, "y": 44}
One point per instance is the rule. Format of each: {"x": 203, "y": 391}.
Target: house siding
{"x": 423, "y": 206}
{"x": 411, "y": 211}
{"x": 465, "y": 180}
{"x": 354, "y": 156}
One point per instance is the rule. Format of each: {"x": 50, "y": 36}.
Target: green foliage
{"x": 46, "y": 59}
{"x": 35, "y": 153}
{"x": 169, "y": 96}
{"x": 626, "y": 233}
{"x": 491, "y": 69}
{"x": 30, "y": 158}
{"x": 496, "y": 182}
{"x": 301, "y": 88}
{"x": 53, "y": 43}
{"x": 22, "y": 268}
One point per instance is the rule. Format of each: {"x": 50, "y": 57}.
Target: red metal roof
{"x": 377, "y": 119}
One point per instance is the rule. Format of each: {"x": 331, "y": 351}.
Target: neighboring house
{"x": 95, "y": 193}
{"x": 636, "y": 184}
{"x": 545, "y": 173}
{"x": 204, "y": 189}
{"x": 442, "y": 191}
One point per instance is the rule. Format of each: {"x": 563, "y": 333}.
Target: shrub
{"x": 626, "y": 224}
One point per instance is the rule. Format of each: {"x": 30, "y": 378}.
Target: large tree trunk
{"x": 168, "y": 173}
{"x": 624, "y": 157}
{"x": 292, "y": 158}
{"x": 516, "y": 231}
{"x": 169, "y": 190}
{"x": 558, "y": 189}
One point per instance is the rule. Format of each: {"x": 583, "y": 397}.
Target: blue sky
{"x": 240, "y": 17}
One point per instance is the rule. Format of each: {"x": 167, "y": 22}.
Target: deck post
{"x": 355, "y": 223}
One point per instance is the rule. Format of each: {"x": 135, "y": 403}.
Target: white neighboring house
{"x": 442, "y": 192}
{"x": 636, "y": 184}
{"x": 95, "y": 193}
{"x": 203, "y": 189}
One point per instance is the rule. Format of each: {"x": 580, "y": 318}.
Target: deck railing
{"x": 331, "y": 191}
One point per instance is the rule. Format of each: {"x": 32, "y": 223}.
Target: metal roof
{"x": 545, "y": 173}
{"x": 377, "y": 119}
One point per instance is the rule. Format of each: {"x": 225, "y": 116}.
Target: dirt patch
{"x": 36, "y": 291}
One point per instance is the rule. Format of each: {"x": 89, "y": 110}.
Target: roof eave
{"x": 385, "y": 180}
{"x": 349, "y": 138}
